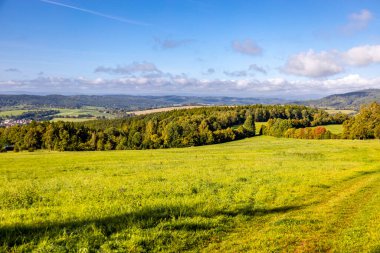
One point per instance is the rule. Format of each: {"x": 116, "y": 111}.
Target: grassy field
{"x": 8, "y": 113}
{"x": 261, "y": 194}
{"x": 334, "y": 111}
{"x": 64, "y": 112}
{"x": 82, "y": 111}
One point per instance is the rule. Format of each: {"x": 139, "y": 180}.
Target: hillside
{"x": 125, "y": 101}
{"x": 261, "y": 194}
{"x": 351, "y": 100}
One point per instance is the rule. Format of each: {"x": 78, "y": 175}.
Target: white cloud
{"x": 363, "y": 55}
{"x": 327, "y": 63}
{"x": 312, "y": 64}
{"x": 352, "y": 81}
{"x": 357, "y": 21}
{"x": 247, "y": 47}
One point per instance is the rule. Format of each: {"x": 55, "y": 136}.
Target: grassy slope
{"x": 259, "y": 194}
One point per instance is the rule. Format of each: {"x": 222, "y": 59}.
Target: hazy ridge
{"x": 351, "y": 100}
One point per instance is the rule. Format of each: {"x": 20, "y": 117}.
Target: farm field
{"x": 82, "y": 111}
{"x": 261, "y": 194}
{"x": 8, "y": 113}
{"x": 334, "y": 111}
{"x": 64, "y": 112}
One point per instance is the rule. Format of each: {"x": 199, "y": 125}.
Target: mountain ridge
{"x": 350, "y": 100}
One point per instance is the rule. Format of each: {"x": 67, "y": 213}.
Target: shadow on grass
{"x": 368, "y": 172}
{"x": 145, "y": 218}
{"x": 362, "y": 173}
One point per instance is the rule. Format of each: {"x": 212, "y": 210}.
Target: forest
{"x": 190, "y": 127}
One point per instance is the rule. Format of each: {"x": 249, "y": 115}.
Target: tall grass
{"x": 259, "y": 194}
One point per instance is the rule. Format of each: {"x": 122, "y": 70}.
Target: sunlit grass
{"x": 260, "y": 194}
{"x": 258, "y": 126}
{"x": 334, "y": 111}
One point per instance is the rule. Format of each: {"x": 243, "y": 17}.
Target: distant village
{"x": 13, "y": 122}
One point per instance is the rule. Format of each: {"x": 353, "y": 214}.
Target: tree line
{"x": 178, "y": 128}
{"x": 365, "y": 125}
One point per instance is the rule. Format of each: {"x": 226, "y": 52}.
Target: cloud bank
{"x": 182, "y": 84}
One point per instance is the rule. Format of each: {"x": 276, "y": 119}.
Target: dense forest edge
{"x": 190, "y": 127}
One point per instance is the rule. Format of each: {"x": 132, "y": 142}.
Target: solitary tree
{"x": 249, "y": 125}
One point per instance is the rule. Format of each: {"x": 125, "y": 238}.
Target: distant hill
{"x": 351, "y": 100}
{"x": 125, "y": 101}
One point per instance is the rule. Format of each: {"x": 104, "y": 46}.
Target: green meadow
{"x": 95, "y": 111}
{"x": 334, "y": 111}
{"x": 261, "y": 194}
{"x": 9, "y": 113}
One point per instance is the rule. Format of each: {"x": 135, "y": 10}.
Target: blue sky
{"x": 273, "y": 48}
